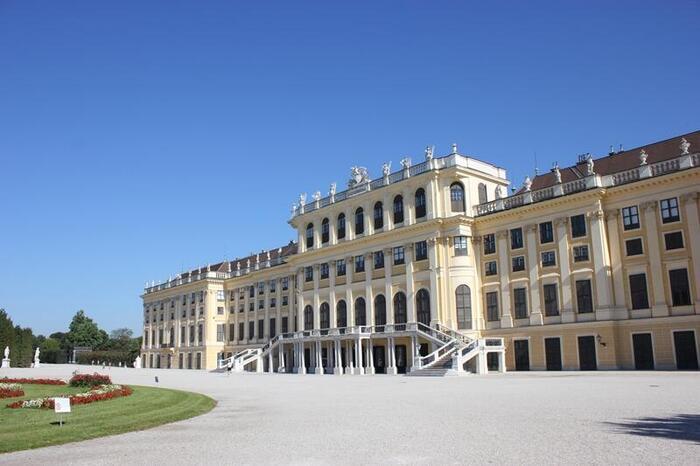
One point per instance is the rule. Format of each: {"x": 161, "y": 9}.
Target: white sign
{"x": 61, "y": 405}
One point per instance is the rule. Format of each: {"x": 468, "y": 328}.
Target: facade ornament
{"x": 650, "y": 205}
{"x": 527, "y": 184}
{"x": 561, "y": 221}
{"x": 358, "y": 175}
{"x": 238, "y": 266}
{"x": 386, "y": 169}
{"x": 267, "y": 258}
{"x": 294, "y": 209}
{"x": 406, "y": 163}
{"x": 302, "y": 202}
{"x": 643, "y": 157}
{"x": 331, "y": 192}
{"x": 247, "y": 263}
{"x": 557, "y": 173}
{"x": 589, "y": 165}
{"x": 429, "y": 153}
{"x": 454, "y": 148}
{"x": 531, "y": 227}
{"x": 502, "y": 234}
{"x": 317, "y": 196}
{"x": 685, "y": 146}
{"x": 499, "y": 192}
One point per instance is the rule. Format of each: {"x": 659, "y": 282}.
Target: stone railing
{"x": 593, "y": 181}
{"x": 452, "y": 160}
{"x": 211, "y": 275}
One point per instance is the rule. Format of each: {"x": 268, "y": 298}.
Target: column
{"x": 300, "y": 299}
{"x": 603, "y": 288}
{"x": 337, "y": 360}
{"x": 388, "y": 205}
{"x": 316, "y": 297}
{"x": 266, "y": 324}
{"x": 332, "y": 317}
{"x": 689, "y": 204}
{"x": 504, "y": 274}
{"x": 349, "y": 274}
{"x": 614, "y": 246}
{"x": 319, "y": 359}
{"x": 391, "y": 357}
{"x": 349, "y": 225}
{"x": 659, "y": 307}
{"x": 302, "y": 358}
{"x": 477, "y": 317}
{"x": 409, "y": 212}
{"x": 270, "y": 363}
{"x": 567, "y": 312}
{"x": 433, "y": 267}
{"x": 348, "y": 357}
{"x": 280, "y": 357}
{"x": 359, "y": 370}
{"x": 415, "y": 362}
{"x": 431, "y": 197}
{"x": 410, "y": 291}
{"x": 533, "y": 267}
{"x": 369, "y": 296}
{"x": 278, "y": 306}
{"x": 388, "y": 289}
{"x": 370, "y": 358}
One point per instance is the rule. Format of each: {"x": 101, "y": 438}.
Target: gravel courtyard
{"x": 524, "y": 418}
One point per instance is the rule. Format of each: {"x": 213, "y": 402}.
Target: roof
{"x": 620, "y": 161}
{"x": 284, "y": 251}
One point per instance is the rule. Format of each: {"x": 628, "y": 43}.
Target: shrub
{"x": 99, "y": 393}
{"x": 90, "y": 380}
{"x": 10, "y": 390}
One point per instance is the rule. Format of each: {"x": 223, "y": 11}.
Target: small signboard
{"x": 61, "y": 406}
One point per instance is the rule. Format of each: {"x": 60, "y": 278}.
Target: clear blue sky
{"x": 141, "y": 138}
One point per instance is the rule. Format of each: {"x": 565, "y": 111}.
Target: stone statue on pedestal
{"x": 6, "y": 359}
{"x": 137, "y": 362}
{"x": 37, "y": 362}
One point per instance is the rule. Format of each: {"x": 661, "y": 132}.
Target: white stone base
{"x": 391, "y": 370}
{"x": 5, "y": 364}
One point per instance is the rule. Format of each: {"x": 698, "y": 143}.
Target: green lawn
{"x": 22, "y": 429}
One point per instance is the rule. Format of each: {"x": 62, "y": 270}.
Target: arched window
{"x": 325, "y": 231}
{"x": 310, "y": 235}
{"x": 342, "y": 314}
{"x": 308, "y": 318}
{"x": 360, "y": 312}
{"x": 398, "y": 209}
{"x": 463, "y": 297}
{"x": 400, "y": 315}
{"x": 325, "y": 315}
{"x": 378, "y": 216}
{"x": 420, "y": 203}
{"x": 379, "y": 310}
{"x": 457, "y": 197}
{"x": 483, "y": 195}
{"x": 359, "y": 221}
{"x": 341, "y": 226}
{"x": 423, "y": 307}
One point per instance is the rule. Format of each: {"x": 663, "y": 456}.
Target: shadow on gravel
{"x": 681, "y": 427}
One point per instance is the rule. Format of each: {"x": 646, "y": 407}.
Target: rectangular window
{"x": 261, "y": 304}
{"x": 549, "y": 258}
{"x": 273, "y": 327}
{"x": 220, "y": 296}
{"x": 460, "y": 245}
{"x": 324, "y": 271}
{"x": 184, "y": 299}
{"x": 673, "y": 240}
{"x": 191, "y": 333}
{"x": 240, "y": 331}
{"x": 183, "y": 333}
{"x": 285, "y": 325}
{"x": 490, "y": 268}
{"x": 309, "y": 273}
{"x": 220, "y": 332}
{"x": 192, "y": 298}
{"x": 251, "y": 291}
{"x": 630, "y": 217}
{"x": 551, "y": 301}
{"x": 399, "y": 257}
{"x": 341, "y": 226}
{"x": 285, "y": 283}
{"x": 261, "y": 328}
{"x": 359, "y": 264}
{"x": 578, "y": 226}
{"x": 261, "y": 287}
{"x": 421, "y": 250}
{"x": 201, "y": 296}
{"x": 518, "y": 263}
{"x": 231, "y": 332}
{"x": 680, "y": 290}
{"x": 285, "y": 300}
{"x": 633, "y": 247}
{"x": 638, "y": 291}
{"x": 492, "y": 306}
{"x": 516, "y": 238}
{"x": 251, "y": 330}
{"x": 669, "y": 210}
{"x": 581, "y": 253}
{"x": 340, "y": 267}
{"x": 379, "y": 260}
{"x": 220, "y": 310}
{"x": 184, "y": 313}
{"x": 584, "y": 297}
{"x": 273, "y": 286}
{"x": 520, "y": 303}
{"x": 251, "y": 306}
{"x": 200, "y": 333}
{"x": 489, "y": 243}
{"x": 241, "y": 308}
{"x": 273, "y": 302}
{"x": 546, "y": 232}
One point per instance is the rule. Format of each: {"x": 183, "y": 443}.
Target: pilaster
{"x": 504, "y": 275}
{"x": 689, "y": 202}
{"x": 566, "y": 306}
{"x": 533, "y": 268}
{"x": 659, "y": 307}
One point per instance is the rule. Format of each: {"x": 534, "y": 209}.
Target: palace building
{"x": 437, "y": 269}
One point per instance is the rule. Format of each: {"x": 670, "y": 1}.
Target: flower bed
{"x": 10, "y": 390}
{"x": 89, "y": 380}
{"x": 34, "y": 381}
{"x": 99, "y": 393}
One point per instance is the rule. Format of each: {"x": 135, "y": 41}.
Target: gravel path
{"x": 524, "y": 418}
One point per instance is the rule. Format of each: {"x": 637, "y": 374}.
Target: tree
{"x": 61, "y": 338}
{"x": 83, "y": 331}
{"x": 7, "y": 331}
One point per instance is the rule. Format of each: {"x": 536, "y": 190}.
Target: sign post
{"x": 61, "y": 406}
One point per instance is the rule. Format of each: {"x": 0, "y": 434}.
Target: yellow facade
{"x": 597, "y": 262}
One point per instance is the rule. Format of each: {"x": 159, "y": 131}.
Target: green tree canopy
{"x": 83, "y": 331}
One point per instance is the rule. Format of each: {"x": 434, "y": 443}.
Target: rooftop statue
{"x": 643, "y": 157}
{"x": 386, "y": 168}
{"x": 685, "y": 146}
{"x": 589, "y": 166}
{"x": 358, "y": 175}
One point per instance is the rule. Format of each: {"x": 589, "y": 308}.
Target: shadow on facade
{"x": 680, "y": 427}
